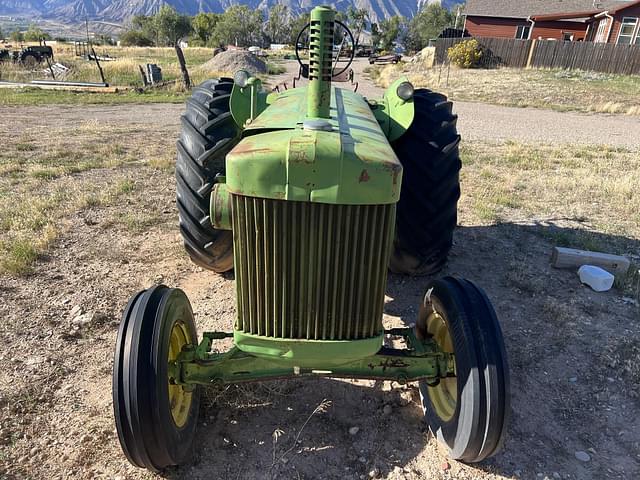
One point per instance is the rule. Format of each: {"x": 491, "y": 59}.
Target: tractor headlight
{"x": 405, "y": 91}
{"x": 241, "y": 78}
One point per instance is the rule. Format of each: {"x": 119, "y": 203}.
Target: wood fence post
{"x": 531, "y": 50}
{"x": 183, "y": 66}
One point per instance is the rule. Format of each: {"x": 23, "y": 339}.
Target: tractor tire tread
{"x": 427, "y": 209}
{"x": 208, "y": 133}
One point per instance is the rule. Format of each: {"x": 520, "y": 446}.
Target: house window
{"x": 602, "y": 26}
{"x": 567, "y": 36}
{"x": 627, "y": 30}
{"x": 522, "y": 32}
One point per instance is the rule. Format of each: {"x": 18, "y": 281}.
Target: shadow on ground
{"x": 562, "y": 340}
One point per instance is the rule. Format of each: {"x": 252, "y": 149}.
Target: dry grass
{"x": 573, "y": 196}
{"x": 121, "y": 72}
{"x": 558, "y": 90}
{"x": 47, "y": 175}
{"x": 596, "y": 186}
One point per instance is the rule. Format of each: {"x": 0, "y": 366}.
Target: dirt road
{"x": 567, "y": 346}
{"x": 476, "y": 121}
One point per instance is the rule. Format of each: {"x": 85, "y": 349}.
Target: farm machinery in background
{"x": 29, "y": 56}
{"x": 311, "y": 195}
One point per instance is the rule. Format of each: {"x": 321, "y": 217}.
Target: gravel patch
{"x": 231, "y": 61}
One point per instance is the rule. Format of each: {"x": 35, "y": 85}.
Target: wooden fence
{"x": 498, "y": 52}
{"x": 506, "y": 52}
{"x": 598, "y": 57}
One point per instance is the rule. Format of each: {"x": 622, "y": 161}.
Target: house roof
{"x": 526, "y": 8}
{"x": 622, "y": 6}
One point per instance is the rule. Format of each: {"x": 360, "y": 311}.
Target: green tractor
{"x": 311, "y": 195}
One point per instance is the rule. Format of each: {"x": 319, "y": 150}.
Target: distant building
{"x": 606, "y": 21}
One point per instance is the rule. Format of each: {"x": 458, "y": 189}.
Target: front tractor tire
{"x": 155, "y": 417}
{"x": 468, "y": 413}
{"x": 427, "y": 209}
{"x": 208, "y": 134}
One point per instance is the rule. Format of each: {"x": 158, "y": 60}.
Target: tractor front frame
{"x": 254, "y": 359}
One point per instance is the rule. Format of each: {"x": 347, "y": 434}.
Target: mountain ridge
{"x": 122, "y": 10}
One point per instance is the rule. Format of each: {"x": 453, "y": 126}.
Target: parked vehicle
{"x": 364, "y": 51}
{"x": 384, "y": 59}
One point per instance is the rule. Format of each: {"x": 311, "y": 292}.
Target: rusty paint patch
{"x": 247, "y": 147}
{"x": 299, "y": 156}
{"x": 364, "y": 176}
{"x": 395, "y": 363}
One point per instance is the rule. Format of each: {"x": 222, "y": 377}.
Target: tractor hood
{"x": 351, "y": 162}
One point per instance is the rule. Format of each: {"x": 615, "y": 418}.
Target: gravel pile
{"x": 231, "y": 61}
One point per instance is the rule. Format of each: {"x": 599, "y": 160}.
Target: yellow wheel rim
{"x": 179, "y": 399}
{"x": 443, "y": 397}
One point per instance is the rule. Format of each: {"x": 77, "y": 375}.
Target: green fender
{"x": 394, "y": 114}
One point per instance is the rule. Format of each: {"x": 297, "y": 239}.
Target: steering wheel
{"x": 346, "y": 33}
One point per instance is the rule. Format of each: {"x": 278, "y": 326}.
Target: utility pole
{"x": 86, "y": 24}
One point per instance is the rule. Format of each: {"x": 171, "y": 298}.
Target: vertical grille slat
{"x": 295, "y": 270}
{"x": 336, "y": 271}
{"x": 310, "y": 270}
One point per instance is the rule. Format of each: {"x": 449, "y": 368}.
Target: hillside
{"x": 121, "y": 10}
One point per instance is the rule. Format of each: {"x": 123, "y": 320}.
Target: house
{"x": 612, "y": 21}
{"x": 619, "y": 25}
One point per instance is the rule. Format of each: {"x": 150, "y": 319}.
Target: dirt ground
{"x": 571, "y": 391}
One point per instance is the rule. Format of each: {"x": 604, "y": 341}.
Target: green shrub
{"x": 134, "y": 38}
{"x": 466, "y": 54}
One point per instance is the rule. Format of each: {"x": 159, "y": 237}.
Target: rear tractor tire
{"x": 467, "y": 413}
{"x": 208, "y": 134}
{"x": 155, "y": 418}
{"x": 30, "y": 60}
{"x": 427, "y": 209}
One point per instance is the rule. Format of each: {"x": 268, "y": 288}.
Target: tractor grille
{"x": 310, "y": 270}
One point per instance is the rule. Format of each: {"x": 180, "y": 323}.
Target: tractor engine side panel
{"x": 310, "y": 270}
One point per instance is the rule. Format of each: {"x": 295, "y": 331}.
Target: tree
{"x": 204, "y": 24}
{"x": 390, "y": 31}
{"x": 16, "y": 36}
{"x": 239, "y": 25}
{"x": 457, "y": 12}
{"x": 357, "y": 20}
{"x": 296, "y": 24}
{"x": 146, "y": 27}
{"x": 428, "y": 24}
{"x": 171, "y": 26}
{"x": 135, "y": 38}
{"x": 34, "y": 34}
{"x": 376, "y": 35}
{"x": 103, "y": 39}
{"x": 341, "y": 16}
{"x": 278, "y": 23}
